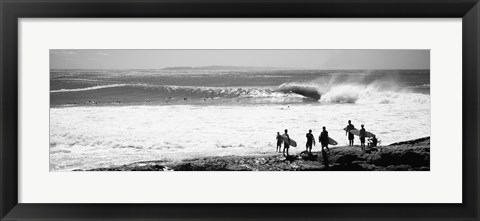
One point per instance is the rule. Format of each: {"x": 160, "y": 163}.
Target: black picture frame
{"x": 12, "y": 10}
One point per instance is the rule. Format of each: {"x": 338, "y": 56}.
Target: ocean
{"x": 101, "y": 118}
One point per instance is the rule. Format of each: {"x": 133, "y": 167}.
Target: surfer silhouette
{"x": 286, "y": 142}
{"x": 362, "y": 138}
{"x": 323, "y": 139}
{"x": 347, "y": 132}
{"x": 310, "y": 141}
{"x": 373, "y": 141}
{"x": 279, "y": 142}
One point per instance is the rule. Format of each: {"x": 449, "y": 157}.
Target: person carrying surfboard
{"x": 286, "y": 142}
{"x": 310, "y": 141}
{"x": 279, "y": 142}
{"x": 347, "y": 132}
{"x": 362, "y": 137}
{"x": 323, "y": 139}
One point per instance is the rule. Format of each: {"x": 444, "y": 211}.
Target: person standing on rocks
{"x": 286, "y": 142}
{"x": 323, "y": 139}
{"x": 310, "y": 141}
{"x": 347, "y": 132}
{"x": 362, "y": 138}
{"x": 279, "y": 142}
{"x": 373, "y": 142}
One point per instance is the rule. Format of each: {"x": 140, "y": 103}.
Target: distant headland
{"x": 230, "y": 68}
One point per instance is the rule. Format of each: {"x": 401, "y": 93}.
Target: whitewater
{"x": 101, "y": 120}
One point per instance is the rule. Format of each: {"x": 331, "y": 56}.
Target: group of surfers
{"x": 324, "y": 139}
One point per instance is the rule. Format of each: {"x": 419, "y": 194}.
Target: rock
{"x": 167, "y": 169}
{"x": 346, "y": 159}
{"x": 415, "y": 159}
{"x": 309, "y": 157}
{"x": 406, "y": 156}
{"x": 424, "y": 140}
{"x": 294, "y": 166}
{"x": 399, "y": 167}
{"x": 263, "y": 161}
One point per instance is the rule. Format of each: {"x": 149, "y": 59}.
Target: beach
{"x": 413, "y": 155}
{"x": 109, "y": 118}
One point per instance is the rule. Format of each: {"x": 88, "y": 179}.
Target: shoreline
{"x": 411, "y": 155}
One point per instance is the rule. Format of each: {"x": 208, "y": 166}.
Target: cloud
{"x": 101, "y": 53}
{"x": 62, "y": 52}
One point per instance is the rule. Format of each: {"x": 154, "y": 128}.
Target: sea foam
{"x": 88, "y": 137}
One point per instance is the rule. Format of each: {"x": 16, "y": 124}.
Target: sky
{"x": 292, "y": 59}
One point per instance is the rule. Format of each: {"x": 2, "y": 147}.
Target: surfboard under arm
{"x": 292, "y": 142}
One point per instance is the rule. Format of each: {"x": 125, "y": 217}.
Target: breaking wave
{"x": 350, "y": 93}
{"x": 369, "y": 94}
{"x": 304, "y": 90}
{"x": 184, "y": 91}
{"x": 89, "y": 88}
{"x": 377, "y": 92}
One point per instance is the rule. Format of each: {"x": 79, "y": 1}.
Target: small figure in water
{"x": 373, "y": 142}
{"x": 347, "y": 132}
{"x": 323, "y": 139}
{"x": 279, "y": 142}
{"x": 286, "y": 142}
{"x": 362, "y": 138}
{"x": 310, "y": 141}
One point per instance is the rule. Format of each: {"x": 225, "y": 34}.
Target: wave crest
{"x": 373, "y": 93}
{"x": 186, "y": 91}
{"x": 348, "y": 92}
{"x": 300, "y": 89}
{"x": 89, "y": 88}
{"x": 370, "y": 94}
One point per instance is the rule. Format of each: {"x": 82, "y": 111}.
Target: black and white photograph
{"x": 239, "y": 110}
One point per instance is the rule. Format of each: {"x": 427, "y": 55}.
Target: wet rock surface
{"x": 402, "y": 156}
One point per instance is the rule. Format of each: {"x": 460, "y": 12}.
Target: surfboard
{"x": 292, "y": 142}
{"x": 332, "y": 141}
{"x": 356, "y": 132}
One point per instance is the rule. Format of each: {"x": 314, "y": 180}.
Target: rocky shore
{"x": 413, "y": 155}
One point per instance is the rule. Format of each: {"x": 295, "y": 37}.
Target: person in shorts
{"x": 323, "y": 138}
{"x": 310, "y": 141}
{"x": 347, "y": 132}
{"x": 362, "y": 138}
{"x": 279, "y": 142}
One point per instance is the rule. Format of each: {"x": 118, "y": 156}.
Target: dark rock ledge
{"x": 402, "y": 156}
